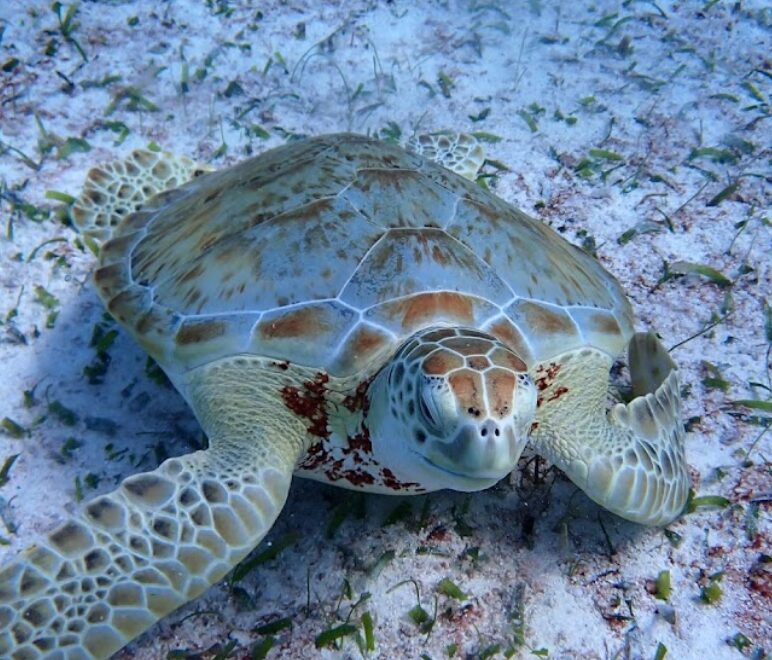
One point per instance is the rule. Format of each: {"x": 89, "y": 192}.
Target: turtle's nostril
{"x": 490, "y": 429}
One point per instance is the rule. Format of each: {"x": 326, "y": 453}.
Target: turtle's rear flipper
{"x": 114, "y": 190}
{"x": 459, "y": 152}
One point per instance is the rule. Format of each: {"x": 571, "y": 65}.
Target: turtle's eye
{"x": 429, "y": 409}
{"x": 427, "y": 414}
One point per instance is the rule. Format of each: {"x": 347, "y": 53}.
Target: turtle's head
{"x": 452, "y": 409}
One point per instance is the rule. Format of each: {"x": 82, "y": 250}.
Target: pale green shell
{"x": 330, "y": 252}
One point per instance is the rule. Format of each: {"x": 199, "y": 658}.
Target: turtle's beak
{"x": 486, "y": 450}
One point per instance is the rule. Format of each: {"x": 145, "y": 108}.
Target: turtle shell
{"x": 330, "y": 252}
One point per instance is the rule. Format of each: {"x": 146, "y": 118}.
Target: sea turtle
{"x": 352, "y": 312}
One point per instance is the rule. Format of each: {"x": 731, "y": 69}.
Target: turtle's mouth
{"x": 460, "y": 481}
{"x": 475, "y": 454}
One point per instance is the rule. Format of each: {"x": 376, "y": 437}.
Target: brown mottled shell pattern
{"x": 332, "y": 251}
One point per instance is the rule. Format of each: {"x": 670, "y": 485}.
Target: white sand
{"x": 649, "y": 89}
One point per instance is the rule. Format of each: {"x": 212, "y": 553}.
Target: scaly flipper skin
{"x": 113, "y": 190}
{"x": 631, "y": 460}
{"x": 159, "y": 540}
{"x": 459, "y": 152}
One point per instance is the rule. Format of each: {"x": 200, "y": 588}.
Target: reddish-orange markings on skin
{"x": 359, "y": 400}
{"x": 391, "y": 481}
{"x": 360, "y": 442}
{"x": 559, "y": 391}
{"x": 309, "y": 404}
{"x": 545, "y": 377}
{"x": 549, "y": 375}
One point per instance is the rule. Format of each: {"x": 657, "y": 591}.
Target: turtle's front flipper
{"x": 161, "y": 538}
{"x": 630, "y": 460}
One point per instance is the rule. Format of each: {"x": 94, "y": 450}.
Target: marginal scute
{"x": 112, "y": 279}
{"x": 404, "y": 316}
{"x": 307, "y": 334}
{"x": 138, "y": 221}
{"x": 201, "y": 340}
{"x": 601, "y": 329}
{"x": 153, "y": 330}
{"x": 508, "y": 333}
{"x": 365, "y": 346}
{"x": 196, "y": 332}
{"x": 115, "y": 250}
{"x": 508, "y": 359}
{"x": 130, "y": 303}
{"x": 549, "y": 328}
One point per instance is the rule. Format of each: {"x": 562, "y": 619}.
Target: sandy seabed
{"x": 639, "y": 130}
